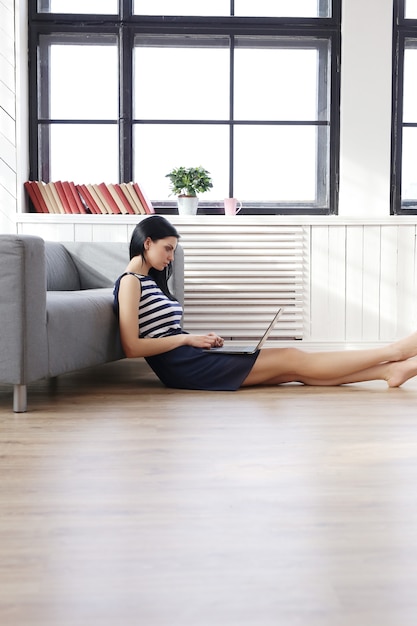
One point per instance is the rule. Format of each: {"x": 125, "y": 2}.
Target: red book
{"x": 35, "y": 187}
{"x": 88, "y": 198}
{"x": 124, "y": 199}
{"x": 36, "y": 197}
{"x": 146, "y": 203}
{"x": 63, "y": 197}
{"x": 111, "y": 203}
{"x": 81, "y": 208}
{"x": 70, "y": 197}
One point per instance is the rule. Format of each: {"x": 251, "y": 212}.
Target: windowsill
{"x": 244, "y": 220}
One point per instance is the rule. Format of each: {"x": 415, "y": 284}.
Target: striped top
{"x": 158, "y": 316}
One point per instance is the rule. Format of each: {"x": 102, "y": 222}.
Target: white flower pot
{"x": 187, "y": 205}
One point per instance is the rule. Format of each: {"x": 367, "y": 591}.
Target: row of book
{"x": 102, "y": 198}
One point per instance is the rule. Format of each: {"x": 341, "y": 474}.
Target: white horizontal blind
{"x": 236, "y": 278}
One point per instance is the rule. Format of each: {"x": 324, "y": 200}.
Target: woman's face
{"x": 159, "y": 254}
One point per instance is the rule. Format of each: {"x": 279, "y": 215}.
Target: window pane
{"x": 87, "y": 72}
{"x": 181, "y": 7}
{"x": 158, "y": 149}
{"x": 260, "y": 8}
{"x": 410, "y": 11}
{"x": 78, "y": 6}
{"x": 409, "y": 160}
{"x": 172, "y": 82}
{"x": 275, "y": 164}
{"x": 276, "y": 84}
{"x": 410, "y": 85}
{"x": 282, "y": 8}
{"x": 84, "y": 153}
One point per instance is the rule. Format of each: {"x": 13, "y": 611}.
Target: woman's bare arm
{"x": 133, "y": 346}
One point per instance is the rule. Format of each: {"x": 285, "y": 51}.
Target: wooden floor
{"x": 126, "y": 504}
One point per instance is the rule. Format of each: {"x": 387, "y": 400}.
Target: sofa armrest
{"x": 23, "y": 345}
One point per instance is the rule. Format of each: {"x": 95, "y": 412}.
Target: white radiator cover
{"x": 235, "y": 279}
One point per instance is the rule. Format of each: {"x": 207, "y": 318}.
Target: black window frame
{"x": 403, "y": 30}
{"x": 125, "y": 26}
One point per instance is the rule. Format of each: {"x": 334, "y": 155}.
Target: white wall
{"x": 8, "y": 156}
{"x": 22, "y": 121}
{"x": 366, "y": 80}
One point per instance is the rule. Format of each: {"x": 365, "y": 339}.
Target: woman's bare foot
{"x": 401, "y": 371}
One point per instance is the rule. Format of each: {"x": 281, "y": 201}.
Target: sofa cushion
{"x": 61, "y": 271}
{"x": 82, "y": 329}
{"x": 98, "y": 264}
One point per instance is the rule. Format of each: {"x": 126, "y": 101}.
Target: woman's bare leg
{"x": 279, "y": 365}
{"x": 394, "y": 373}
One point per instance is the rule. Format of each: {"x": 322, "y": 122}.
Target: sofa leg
{"x": 19, "y": 399}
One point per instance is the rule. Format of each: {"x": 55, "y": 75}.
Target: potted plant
{"x": 185, "y": 183}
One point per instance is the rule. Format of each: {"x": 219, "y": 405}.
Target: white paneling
{"x": 7, "y": 204}
{"x": 363, "y": 282}
{"x": 7, "y": 75}
{"x": 7, "y": 16}
{"x": 7, "y": 48}
{"x": 8, "y": 177}
{"x": 7, "y": 101}
{"x": 8, "y": 183}
{"x": 389, "y": 273}
{"x": 51, "y": 232}
{"x": 336, "y": 297}
{"x": 8, "y": 151}
{"x": 83, "y": 232}
{"x": 7, "y": 128}
{"x": 118, "y": 233}
{"x": 371, "y": 283}
{"x": 354, "y": 282}
{"x": 406, "y": 288}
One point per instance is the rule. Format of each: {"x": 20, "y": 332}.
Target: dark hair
{"x": 156, "y": 227}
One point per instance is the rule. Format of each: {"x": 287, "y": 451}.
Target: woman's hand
{"x": 211, "y": 340}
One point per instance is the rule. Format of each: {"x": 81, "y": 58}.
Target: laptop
{"x": 250, "y": 349}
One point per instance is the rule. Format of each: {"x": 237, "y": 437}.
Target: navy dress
{"x": 185, "y": 367}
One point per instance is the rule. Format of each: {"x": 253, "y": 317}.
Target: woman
{"x": 150, "y": 327}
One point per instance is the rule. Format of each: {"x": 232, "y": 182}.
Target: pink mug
{"x": 232, "y": 206}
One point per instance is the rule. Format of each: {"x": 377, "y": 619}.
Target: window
{"x": 249, "y": 90}
{"x": 404, "y": 134}
{"x": 79, "y": 135}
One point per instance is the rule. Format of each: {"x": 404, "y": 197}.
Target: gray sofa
{"x": 56, "y": 307}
